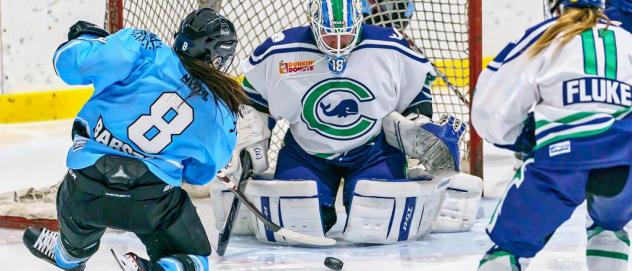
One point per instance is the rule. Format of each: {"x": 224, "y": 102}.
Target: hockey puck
{"x": 333, "y": 263}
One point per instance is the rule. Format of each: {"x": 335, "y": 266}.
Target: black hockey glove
{"x": 83, "y": 27}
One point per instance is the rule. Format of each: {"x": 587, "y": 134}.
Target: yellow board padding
{"x": 456, "y": 70}
{"x": 65, "y": 104}
{"x": 43, "y": 105}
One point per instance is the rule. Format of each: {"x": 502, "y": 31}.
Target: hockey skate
{"x": 41, "y": 242}
{"x": 131, "y": 262}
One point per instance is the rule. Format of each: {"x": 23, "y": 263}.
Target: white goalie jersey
{"x": 332, "y": 113}
{"x": 576, "y": 91}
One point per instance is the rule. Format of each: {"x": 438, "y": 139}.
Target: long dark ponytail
{"x": 220, "y": 84}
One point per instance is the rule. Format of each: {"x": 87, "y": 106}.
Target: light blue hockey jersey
{"x": 145, "y": 105}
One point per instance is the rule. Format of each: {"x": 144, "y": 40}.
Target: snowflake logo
{"x": 149, "y": 41}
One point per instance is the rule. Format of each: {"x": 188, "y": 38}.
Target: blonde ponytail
{"x": 572, "y": 22}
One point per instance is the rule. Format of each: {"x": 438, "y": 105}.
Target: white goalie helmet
{"x": 336, "y": 26}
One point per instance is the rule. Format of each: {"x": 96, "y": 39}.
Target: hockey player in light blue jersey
{"x": 562, "y": 93}
{"x": 159, "y": 117}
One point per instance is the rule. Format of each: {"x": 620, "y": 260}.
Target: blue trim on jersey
{"x": 284, "y": 50}
{"x": 508, "y": 54}
{"x": 424, "y": 96}
{"x": 374, "y": 32}
{"x": 383, "y": 46}
{"x": 301, "y": 34}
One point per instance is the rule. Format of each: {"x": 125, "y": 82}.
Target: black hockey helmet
{"x": 388, "y": 13}
{"x": 208, "y": 36}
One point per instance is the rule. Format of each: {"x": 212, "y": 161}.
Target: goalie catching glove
{"x": 435, "y": 145}
{"x": 253, "y": 136}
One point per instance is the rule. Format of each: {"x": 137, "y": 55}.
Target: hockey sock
{"x": 182, "y": 262}
{"x": 497, "y": 259}
{"x": 607, "y": 250}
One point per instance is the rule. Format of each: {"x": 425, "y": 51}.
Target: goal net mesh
{"x": 438, "y": 28}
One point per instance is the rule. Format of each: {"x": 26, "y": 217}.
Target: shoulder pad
{"x": 289, "y": 40}
{"x": 379, "y": 33}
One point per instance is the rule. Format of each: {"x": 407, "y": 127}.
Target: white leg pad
{"x": 385, "y": 212}
{"x": 459, "y": 210}
{"x": 221, "y": 200}
{"x": 293, "y": 205}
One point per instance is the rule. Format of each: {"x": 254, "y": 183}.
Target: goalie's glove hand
{"x": 435, "y": 145}
{"x": 440, "y": 144}
{"x": 83, "y": 27}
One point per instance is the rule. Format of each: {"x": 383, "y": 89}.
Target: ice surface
{"x": 34, "y": 154}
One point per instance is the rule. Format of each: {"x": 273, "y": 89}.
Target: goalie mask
{"x": 554, "y": 7}
{"x": 336, "y": 26}
{"x": 208, "y": 36}
{"x": 388, "y": 13}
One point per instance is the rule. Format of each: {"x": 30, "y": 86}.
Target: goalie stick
{"x": 231, "y": 217}
{"x": 292, "y": 235}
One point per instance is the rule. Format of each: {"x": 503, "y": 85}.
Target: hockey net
{"x": 448, "y": 32}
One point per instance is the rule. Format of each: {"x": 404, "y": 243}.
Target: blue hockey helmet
{"x": 625, "y": 5}
{"x": 583, "y": 3}
{"x": 553, "y": 6}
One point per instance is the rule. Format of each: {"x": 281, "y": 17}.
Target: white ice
{"x": 34, "y": 154}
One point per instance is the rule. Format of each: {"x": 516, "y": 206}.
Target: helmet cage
{"x": 346, "y": 31}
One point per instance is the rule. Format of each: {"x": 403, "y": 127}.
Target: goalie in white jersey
{"x": 574, "y": 74}
{"x": 338, "y": 82}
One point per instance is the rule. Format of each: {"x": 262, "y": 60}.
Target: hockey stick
{"x": 292, "y": 235}
{"x": 224, "y": 235}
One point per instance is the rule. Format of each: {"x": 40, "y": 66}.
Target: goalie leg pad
{"x": 386, "y": 212}
{"x": 293, "y": 205}
{"x": 459, "y": 210}
{"x": 221, "y": 200}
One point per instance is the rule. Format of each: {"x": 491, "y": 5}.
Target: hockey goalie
{"x": 358, "y": 102}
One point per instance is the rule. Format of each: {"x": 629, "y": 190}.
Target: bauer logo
{"x": 332, "y": 108}
{"x": 559, "y": 148}
{"x": 296, "y": 66}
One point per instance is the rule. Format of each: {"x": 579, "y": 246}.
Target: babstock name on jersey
{"x": 599, "y": 90}
{"x": 105, "y": 137}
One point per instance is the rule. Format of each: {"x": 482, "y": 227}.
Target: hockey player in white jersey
{"x": 339, "y": 82}
{"x": 574, "y": 74}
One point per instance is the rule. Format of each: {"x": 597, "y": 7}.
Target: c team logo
{"x": 331, "y": 108}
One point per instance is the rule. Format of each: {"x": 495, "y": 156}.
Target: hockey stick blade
{"x": 224, "y": 235}
{"x": 292, "y": 235}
